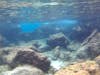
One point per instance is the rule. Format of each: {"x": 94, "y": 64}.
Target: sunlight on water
{"x": 31, "y": 27}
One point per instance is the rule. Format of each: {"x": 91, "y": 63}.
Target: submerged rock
{"x": 60, "y": 53}
{"x": 8, "y": 54}
{"x": 24, "y": 70}
{"x": 97, "y": 59}
{"x": 94, "y": 45}
{"x": 4, "y": 68}
{"x": 14, "y": 56}
{"x": 56, "y": 52}
{"x": 58, "y": 39}
{"x": 83, "y": 68}
{"x": 32, "y": 58}
{"x": 90, "y": 47}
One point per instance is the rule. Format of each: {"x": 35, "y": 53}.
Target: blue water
{"x": 31, "y": 27}
{"x": 26, "y": 21}
{"x": 57, "y": 28}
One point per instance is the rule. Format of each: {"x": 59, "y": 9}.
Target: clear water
{"x": 25, "y": 22}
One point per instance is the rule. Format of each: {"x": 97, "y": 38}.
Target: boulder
{"x": 82, "y": 68}
{"x": 14, "y": 56}
{"x": 90, "y": 48}
{"x": 7, "y": 54}
{"x": 97, "y": 59}
{"x": 4, "y": 68}
{"x": 24, "y": 70}
{"x": 94, "y": 46}
{"x": 32, "y": 58}
{"x": 58, "y": 39}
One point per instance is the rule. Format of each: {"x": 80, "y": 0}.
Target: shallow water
{"x": 59, "y": 29}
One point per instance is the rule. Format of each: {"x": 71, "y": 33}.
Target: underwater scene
{"x": 49, "y": 37}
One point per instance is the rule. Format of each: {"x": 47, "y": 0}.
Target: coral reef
{"x": 83, "y": 68}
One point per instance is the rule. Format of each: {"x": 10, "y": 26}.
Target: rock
{"x": 41, "y": 49}
{"x": 7, "y": 54}
{"x": 56, "y": 52}
{"x": 45, "y": 48}
{"x": 66, "y": 56}
{"x": 40, "y": 46}
{"x": 24, "y": 70}
{"x": 91, "y": 46}
{"x": 73, "y": 46}
{"x": 97, "y": 59}
{"x": 82, "y": 53}
{"x": 37, "y": 44}
{"x": 4, "y": 68}
{"x": 32, "y": 58}
{"x": 60, "y": 53}
{"x": 14, "y": 56}
{"x": 82, "y": 68}
{"x": 58, "y": 39}
{"x": 94, "y": 46}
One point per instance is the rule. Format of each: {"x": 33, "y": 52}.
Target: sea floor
{"x": 58, "y": 56}
{"x": 64, "y": 57}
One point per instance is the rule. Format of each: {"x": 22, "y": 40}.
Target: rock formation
{"x": 91, "y": 46}
{"x": 97, "y": 59}
{"x": 58, "y": 39}
{"x": 24, "y": 70}
{"x": 83, "y": 68}
{"x": 32, "y": 58}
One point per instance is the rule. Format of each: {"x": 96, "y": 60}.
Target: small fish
{"x": 31, "y": 27}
